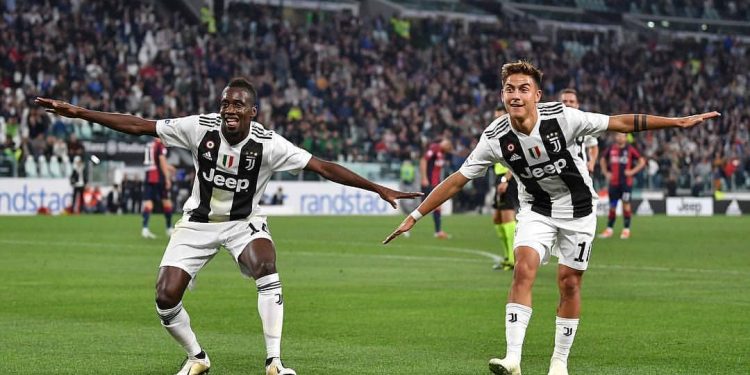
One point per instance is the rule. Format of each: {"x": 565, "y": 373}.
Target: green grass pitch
{"x": 76, "y": 297}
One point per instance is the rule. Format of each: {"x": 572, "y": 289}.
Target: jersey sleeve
{"x": 285, "y": 156}
{"x": 179, "y": 132}
{"x": 585, "y": 123}
{"x": 590, "y": 141}
{"x": 481, "y": 158}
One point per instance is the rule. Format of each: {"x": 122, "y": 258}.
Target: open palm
{"x": 58, "y": 107}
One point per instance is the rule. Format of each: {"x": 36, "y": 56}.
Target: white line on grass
{"x": 420, "y": 258}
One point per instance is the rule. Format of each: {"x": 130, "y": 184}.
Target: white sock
{"x": 565, "y": 333}
{"x": 177, "y": 322}
{"x": 517, "y": 319}
{"x": 271, "y": 310}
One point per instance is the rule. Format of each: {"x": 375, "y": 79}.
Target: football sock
{"x": 626, "y": 218}
{"x": 611, "y": 218}
{"x": 271, "y": 310}
{"x": 500, "y": 231}
{"x": 146, "y": 216}
{"x": 177, "y": 322}
{"x": 517, "y": 319}
{"x": 437, "y": 218}
{"x": 168, "y": 216}
{"x": 565, "y": 333}
{"x": 510, "y": 234}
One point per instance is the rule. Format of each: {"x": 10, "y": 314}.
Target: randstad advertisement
{"x": 327, "y": 198}
{"x": 25, "y": 196}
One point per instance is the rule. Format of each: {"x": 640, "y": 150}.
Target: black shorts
{"x": 617, "y": 192}
{"x": 155, "y": 192}
{"x": 509, "y": 199}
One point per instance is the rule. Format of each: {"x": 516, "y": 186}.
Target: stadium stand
{"x": 360, "y": 89}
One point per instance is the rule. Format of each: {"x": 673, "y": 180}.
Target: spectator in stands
{"x": 75, "y": 146}
{"x": 323, "y": 75}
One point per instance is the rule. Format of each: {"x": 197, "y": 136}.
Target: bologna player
{"x": 620, "y": 163}
{"x": 431, "y": 169}
{"x": 157, "y": 185}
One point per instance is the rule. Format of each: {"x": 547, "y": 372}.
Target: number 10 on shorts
{"x": 584, "y": 251}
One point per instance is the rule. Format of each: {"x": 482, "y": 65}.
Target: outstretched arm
{"x": 341, "y": 175}
{"x": 128, "y": 124}
{"x": 447, "y": 189}
{"x": 640, "y": 122}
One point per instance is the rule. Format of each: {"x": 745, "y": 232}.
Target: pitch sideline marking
{"x": 481, "y": 253}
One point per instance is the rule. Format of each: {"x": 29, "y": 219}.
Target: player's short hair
{"x": 569, "y": 91}
{"x": 522, "y": 67}
{"x": 244, "y": 83}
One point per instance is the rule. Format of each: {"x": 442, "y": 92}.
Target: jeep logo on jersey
{"x": 545, "y": 170}
{"x": 226, "y": 182}
{"x": 554, "y": 139}
{"x": 250, "y": 158}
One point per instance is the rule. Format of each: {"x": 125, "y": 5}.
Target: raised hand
{"x": 59, "y": 107}
{"x": 405, "y": 226}
{"x": 390, "y": 195}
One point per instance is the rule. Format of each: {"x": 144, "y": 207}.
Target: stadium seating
{"x": 440, "y": 75}
{"x": 43, "y": 167}
{"x": 31, "y": 168}
{"x": 55, "y": 168}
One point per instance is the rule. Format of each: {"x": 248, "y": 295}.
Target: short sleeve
{"x": 590, "y": 141}
{"x": 586, "y": 123}
{"x": 178, "y": 132}
{"x": 285, "y": 156}
{"x": 481, "y": 158}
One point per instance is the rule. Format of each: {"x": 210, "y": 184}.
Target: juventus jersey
{"x": 229, "y": 179}
{"x": 553, "y": 178}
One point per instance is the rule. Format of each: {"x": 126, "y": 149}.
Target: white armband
{"x": 416, "y": 215}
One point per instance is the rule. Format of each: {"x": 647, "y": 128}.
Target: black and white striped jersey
{"x": 229, "y": 180}
{"x": 554, "y": 180}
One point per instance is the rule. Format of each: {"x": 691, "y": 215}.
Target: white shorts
{"x": 193, "y": 244}
{"x": 569, "y": 240}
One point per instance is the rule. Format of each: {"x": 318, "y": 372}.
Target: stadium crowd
{"x": 355, "y": 89}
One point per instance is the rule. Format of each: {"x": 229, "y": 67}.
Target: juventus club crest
{"x": 553, "y": 138}
{"x": 250, "y": 158}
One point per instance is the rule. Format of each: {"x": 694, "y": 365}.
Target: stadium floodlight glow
{"x": 664, "y": 23}
{"x": 650, "y": 24}
{"x": 704, "y": 27}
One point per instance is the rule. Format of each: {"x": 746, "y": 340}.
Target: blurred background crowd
{"x": 358, "y": 89}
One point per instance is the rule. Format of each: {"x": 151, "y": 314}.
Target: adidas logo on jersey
{"x": 226, "y": 182}
{"x": 543, "y": 171}
{"x": 515, "y": 157}
{"x": 207, "y": 155}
